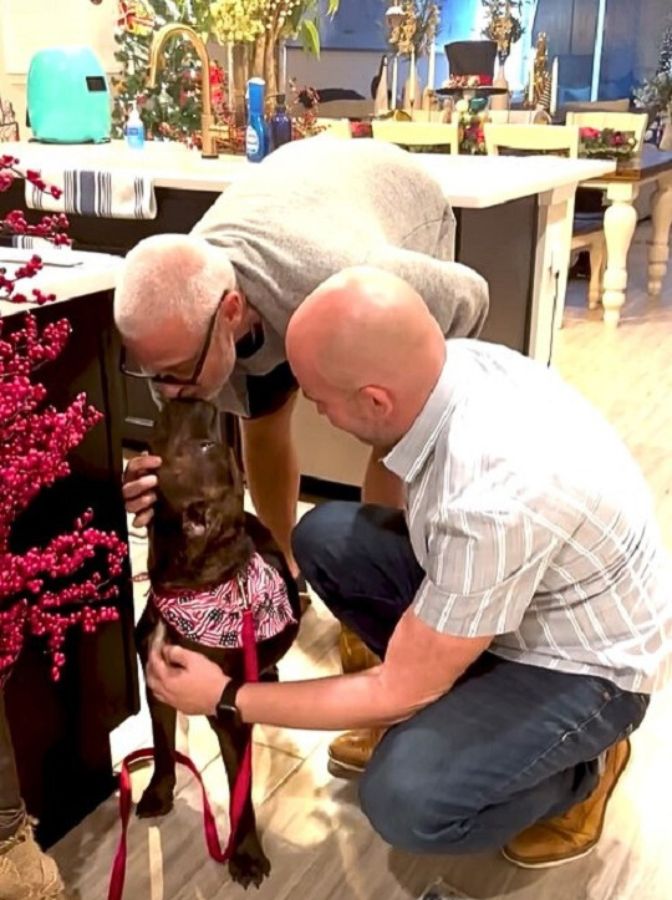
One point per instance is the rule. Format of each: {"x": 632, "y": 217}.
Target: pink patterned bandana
{"x": 214, "y": 616}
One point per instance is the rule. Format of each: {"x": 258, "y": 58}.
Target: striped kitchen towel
{"x": 108, "y": 195}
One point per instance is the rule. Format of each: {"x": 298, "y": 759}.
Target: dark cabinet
{"x": 61, "y": 730}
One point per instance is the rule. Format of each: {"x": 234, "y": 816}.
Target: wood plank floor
{"x": 319, "y": 843}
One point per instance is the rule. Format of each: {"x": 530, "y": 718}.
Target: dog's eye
{"x": 207, "y": 445}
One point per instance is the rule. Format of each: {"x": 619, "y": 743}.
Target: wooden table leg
{"x": 620, "y": 221}
{"x": 659, "y": 247}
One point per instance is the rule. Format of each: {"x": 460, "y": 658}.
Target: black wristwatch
{"x": 227, "y": 711}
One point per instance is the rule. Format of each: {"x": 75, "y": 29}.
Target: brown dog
{"x": 199, "y": 537}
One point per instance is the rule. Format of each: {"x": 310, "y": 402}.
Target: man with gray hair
{"x": 205, "y": 315}
{"x": 226, "y": 292}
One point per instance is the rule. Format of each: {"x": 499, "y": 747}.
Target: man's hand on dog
{"x": 138, "y": 490}
{"x": 184, "y": 679}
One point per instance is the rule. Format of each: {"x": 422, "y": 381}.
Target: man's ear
{"x": 232, "y": 308}
{"x": 377, "y": 401}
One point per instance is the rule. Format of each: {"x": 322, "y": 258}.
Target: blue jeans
{"x": 507, "y": 746}
{"x": 11, "y": 805}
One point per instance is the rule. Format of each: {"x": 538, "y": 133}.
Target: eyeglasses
{"x": 158, "y": 378}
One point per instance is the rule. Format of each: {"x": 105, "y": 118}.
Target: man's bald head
{"x": 367, "y": 335}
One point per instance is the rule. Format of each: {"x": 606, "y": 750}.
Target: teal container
{"x": 68, "y": 97}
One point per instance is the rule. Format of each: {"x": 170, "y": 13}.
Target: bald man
{"x": 520, "y": 603}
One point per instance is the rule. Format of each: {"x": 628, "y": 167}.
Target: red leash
{"x": 239, "y": 795}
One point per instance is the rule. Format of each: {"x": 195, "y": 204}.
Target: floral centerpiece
{"x": 503, "y": 25}
{"x": 606, "y": 143}
{"x": 416, "y": 31}
{"x": 45, "y": 590}
{"x": 655, "y": 93}
{"x": 471, "y": 130}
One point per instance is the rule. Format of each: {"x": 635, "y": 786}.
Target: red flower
{"x": 589, "y": 134}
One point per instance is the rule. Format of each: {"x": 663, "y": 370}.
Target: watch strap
{"x": 226, "y": 707}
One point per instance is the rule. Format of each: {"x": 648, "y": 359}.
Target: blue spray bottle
{"x": 255, "y": 134}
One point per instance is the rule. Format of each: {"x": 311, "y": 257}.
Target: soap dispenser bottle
{"x": 135, "y": 130}
{"x": 255, "y": 134}
{"x": 281, "y": 124}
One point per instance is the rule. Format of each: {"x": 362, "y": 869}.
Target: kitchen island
{"x": 514, "y": 226}
{"x": 61, "y": 730}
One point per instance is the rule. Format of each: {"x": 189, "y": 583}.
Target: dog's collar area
{"x": 213, "y": 615}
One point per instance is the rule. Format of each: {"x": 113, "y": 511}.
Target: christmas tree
{"x": 172, "y": 109}
{"x": 665, "y": 58}
{"x": 45, "y": 590}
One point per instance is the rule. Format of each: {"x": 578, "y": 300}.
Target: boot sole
{"x": 343, "y": 770}
{"x": 553, "y": 863}
{"x": 549, "y": 864}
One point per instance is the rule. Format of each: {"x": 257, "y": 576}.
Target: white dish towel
{"x": 108, "y": 195}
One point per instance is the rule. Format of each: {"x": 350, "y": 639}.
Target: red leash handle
{"x": 239, "y": 795}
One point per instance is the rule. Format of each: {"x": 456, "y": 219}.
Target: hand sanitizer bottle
{"x": 135, "y": 130}
{"x": 255, "y": 134}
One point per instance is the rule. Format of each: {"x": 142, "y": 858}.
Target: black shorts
{"x": 268, "y": 393}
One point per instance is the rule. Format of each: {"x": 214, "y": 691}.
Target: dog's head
{"x": 197, "y": 534}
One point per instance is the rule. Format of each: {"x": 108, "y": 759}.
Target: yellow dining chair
{"x": 618, "y": 121}
{"x": 418, "y": 134}
{"x": 339, "y": 128}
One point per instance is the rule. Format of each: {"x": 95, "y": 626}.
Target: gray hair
{"x": 170, "y": 276}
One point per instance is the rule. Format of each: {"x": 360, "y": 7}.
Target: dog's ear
{"x": 194, "y": 519}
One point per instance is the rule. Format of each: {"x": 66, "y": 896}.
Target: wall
{"x": 30, "y": 25}
{"x": 632, "y": 35}
{"x": 352, "y": 69}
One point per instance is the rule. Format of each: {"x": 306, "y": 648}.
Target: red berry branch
{"x": 44, "y": 591}
{"x": 50, "y": 228}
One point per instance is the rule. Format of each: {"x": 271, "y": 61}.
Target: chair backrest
{"x": 618, "y": 121}
{"x": 622, "y": 105}
{"x": 512, "y": 116}
{"x": 539, "y": 138}
{"x": 339, "y": 128}
{"x": 418, "y": 134}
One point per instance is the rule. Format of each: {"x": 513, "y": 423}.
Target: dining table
{"x": 622, "y": 188}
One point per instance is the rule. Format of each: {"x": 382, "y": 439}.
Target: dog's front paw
{"x": 157, "y": 799}
{"x": 249, "y": 864}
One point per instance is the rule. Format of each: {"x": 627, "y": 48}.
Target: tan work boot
{"x": 355, "y": 655}
{"x": 350, "y": 752}
{"x": 26, "y": 873}
{"x": 574, "y": 834}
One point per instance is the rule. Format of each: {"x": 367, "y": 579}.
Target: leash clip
{"x": 243, "y": 593}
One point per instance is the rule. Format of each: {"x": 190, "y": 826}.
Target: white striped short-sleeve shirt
{"x": 533, "y": 523}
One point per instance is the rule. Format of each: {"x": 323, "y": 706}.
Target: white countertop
{"x": 472, "y": 182}
{"x": 66, "y": 273}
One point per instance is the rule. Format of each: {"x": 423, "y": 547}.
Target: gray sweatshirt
{"x": 317, "y": 206}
